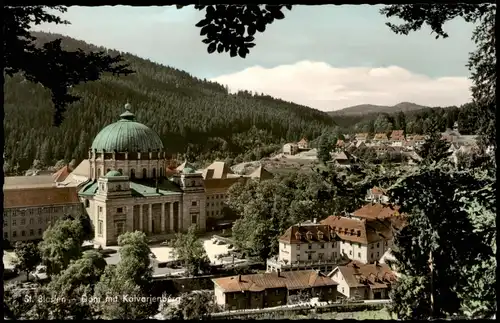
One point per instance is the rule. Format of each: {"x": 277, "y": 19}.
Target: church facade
{"x": 127, "y": 188}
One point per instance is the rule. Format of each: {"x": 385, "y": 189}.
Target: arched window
{"x": 120, "y": 171}
{"x": 108, "y": 170}
{"x": 154, "y": 172}
{"x": 144, "y": 173}
{"x": 132, "y": 173}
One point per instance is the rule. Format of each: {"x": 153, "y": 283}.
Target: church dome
{"x": 113, "y": 173}
{"x": 127, "y": 135}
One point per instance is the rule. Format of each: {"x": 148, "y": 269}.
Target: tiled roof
{"x": 361, "y": 135}
{"x": 359, "y": 231}
{"x": 303, "y": 141}
{"x": 378, "y": 191}
{"x": 380, "y": 136}
{"x": 61, "y": 174}
{"x": 357, "y": 274}
{"x": 340, "y": 143}
{"x": 32, "y": 197}
{"x": 376, "y": 211}
{"x": 306, "y": 234}
{"x": 259, "y": 282}
{"x": 18, "y": 182}
{"x": 397, "y": 135}
{"x": 347, "y": 229}
{"x": 217, "y": 169}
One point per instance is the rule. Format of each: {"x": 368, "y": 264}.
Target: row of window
{"x": 36, "y": 211}
{"x": 218, "y": 204}
{"x": 23, "y": 233}
{"x": 321, "y": 246}
{"x": 132, "y": 172}
{"x": 321, "y": 256}
{"x": 216, "y": 196}
{"x": 23, "y": 221}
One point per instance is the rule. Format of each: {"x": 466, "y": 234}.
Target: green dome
{"x": 113, "y": 173}
{"x": 127, "y": 135}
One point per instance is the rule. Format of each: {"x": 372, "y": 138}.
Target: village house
{"x": 306, "y": 245}
{"x": 290, "y": 149}
{"x": 271, "y": 289}
{"x": 376, "y": 195}
{"x": 397, "y": 138}
{"x": 303, "y": 144}
{"x": 361, "y": 136}
{"x": 380, "y": 138}
{"x": 364, "y": 281}
{"x": 341, "y": 158}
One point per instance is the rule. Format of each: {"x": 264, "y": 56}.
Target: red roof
{"x": 43, "y": 196}
{"x": 306, "y": 234}
{"x": 376, "y": 211}
{"x": 358, "y": 231}
{"x": 61, "y": 174}
{"x": 397, "y": 135}
{"x": 357, "y": 274}
{"x": 259, "y": 282}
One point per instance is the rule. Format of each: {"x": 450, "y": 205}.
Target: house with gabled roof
{"x": 271, "y": 289}
{"x": 303, "y": 144}
{"x": 364, "y": 281}
{"x": 306, "y": 245}
{"x": 380, "y": 137}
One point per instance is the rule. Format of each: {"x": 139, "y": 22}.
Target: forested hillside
{"x": 416, "y": 122}
{"x": 364, "y": 109}
{"x": 191, "y": 115}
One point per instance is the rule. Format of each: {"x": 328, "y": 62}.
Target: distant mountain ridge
{"x": 363, "y": 109}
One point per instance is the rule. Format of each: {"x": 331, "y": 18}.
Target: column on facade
{"x": 150, "y": 218}
{"x": 171, "y": 216}
{"x": 162, "y": 217}
{"x": 141, "y": 218}
{"x": 179, "y": 214}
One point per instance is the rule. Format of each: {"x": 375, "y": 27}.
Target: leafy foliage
{"x": 62, "y": 242}
{"x": 231, "y": 28}
{"x": 51, "y": 66}
{"x": 440, "y": 229}
{"x": 190, "y": 250}
{"x": 192, "y": 306}
{"x": 76, "y": 285}
{"x": 128, "y": 284}
{"x": 27, "y": 257}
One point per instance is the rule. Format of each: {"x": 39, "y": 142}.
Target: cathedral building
{"x": 127, "y": 188}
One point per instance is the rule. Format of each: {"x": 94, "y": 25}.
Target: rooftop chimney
{"x": 239, "y": 278}
{"x": 279, "y": 272}
{"x": 314, "y": 220}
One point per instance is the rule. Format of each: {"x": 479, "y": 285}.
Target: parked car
{"x": 40, "y": 273}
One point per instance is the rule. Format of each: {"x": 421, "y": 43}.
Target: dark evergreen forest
{"x": 195, "y": 117}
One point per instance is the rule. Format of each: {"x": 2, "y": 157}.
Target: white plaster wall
{"x": 342, "y": 288}
{"x": 220, "y": 296}
{"x": 355, "y": 251}
{"x": 329, "y": 251}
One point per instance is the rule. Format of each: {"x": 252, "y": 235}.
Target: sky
{"x": 326, "y": 57}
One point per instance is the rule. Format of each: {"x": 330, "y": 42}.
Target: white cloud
{"x": 326, "y": 88}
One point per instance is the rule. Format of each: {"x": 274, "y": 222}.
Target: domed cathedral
{"x": 127, "y": 188}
